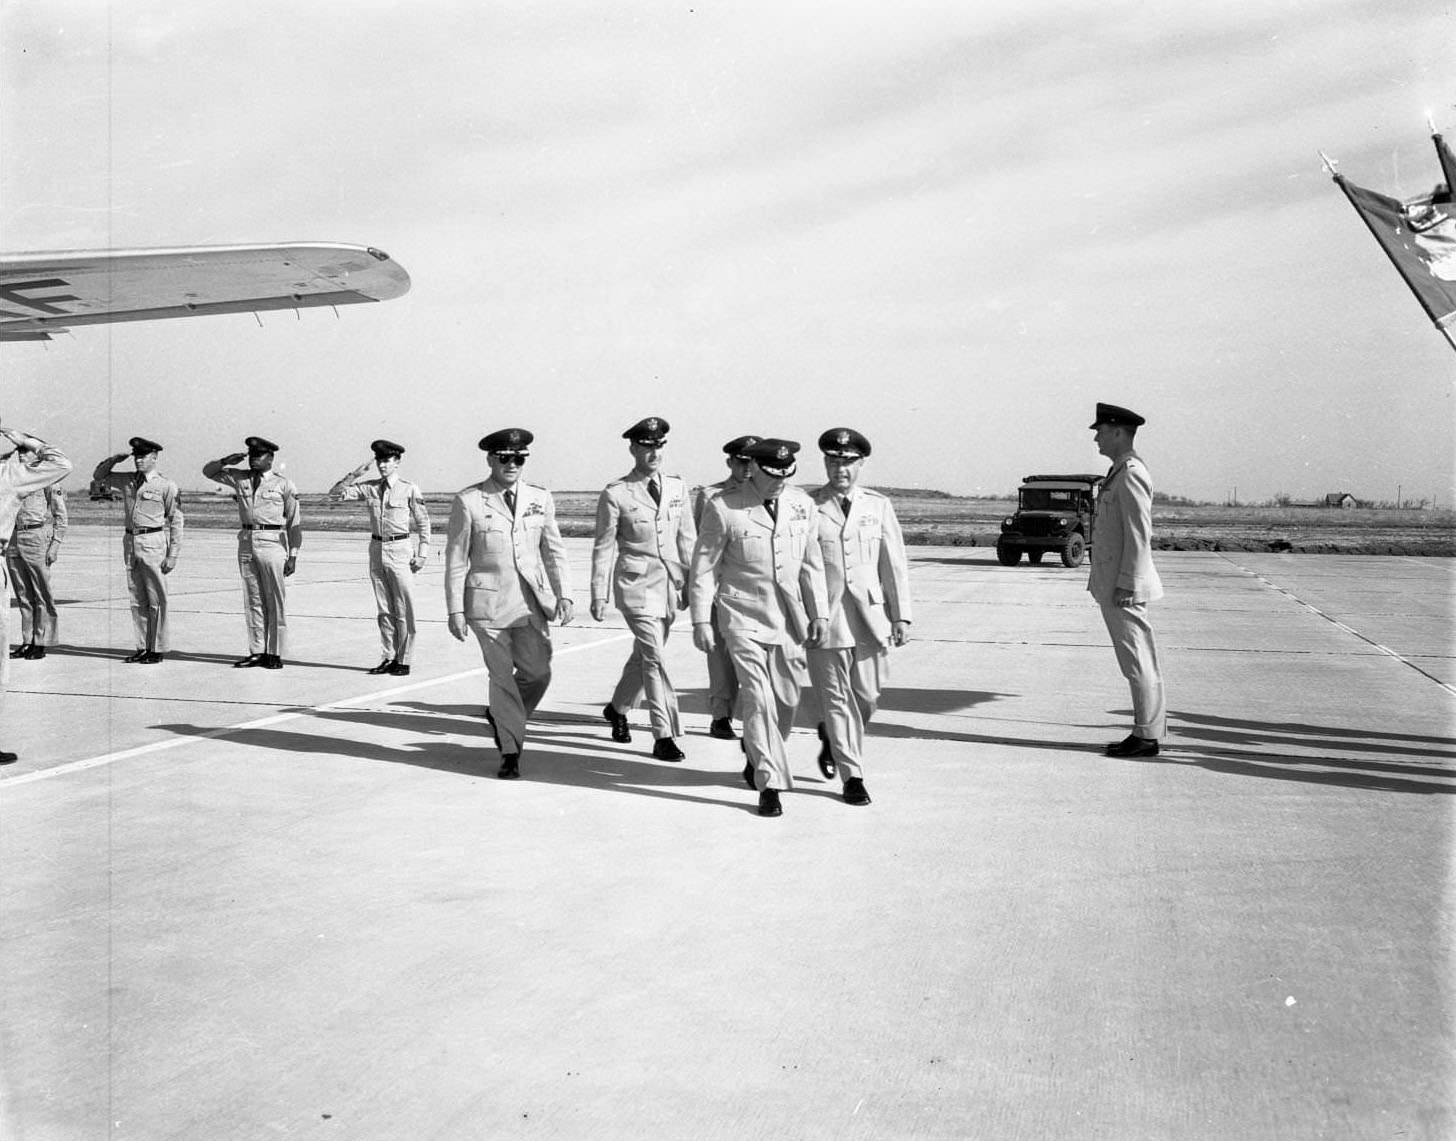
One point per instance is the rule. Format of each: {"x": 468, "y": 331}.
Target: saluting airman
{"x": 40, "y": 528}
{"x": 151, "y": 508}
{"x": 644, "y": 542}
{"x": 269, "y": 538}
{"x": 399, "y": 544}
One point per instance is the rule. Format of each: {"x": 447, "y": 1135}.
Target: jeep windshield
{"x": 1048, "y": 499}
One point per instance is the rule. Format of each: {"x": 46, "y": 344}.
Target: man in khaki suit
{"x": 505, "y": 579}
{"x": 40, "y": 529}
{"x": 643, "y": 520}
{"x": 868, "y": 580}
{"x": 757, "y": 559}
{"x": 151, "y": 506}
{"x": 722, "y": 681}
{"x": 18, "y": 478}
{"x": 1123, "y": 579}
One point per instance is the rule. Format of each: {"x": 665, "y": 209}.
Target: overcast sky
{"x": 954, "y": 226}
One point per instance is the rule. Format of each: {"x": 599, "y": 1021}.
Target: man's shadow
{"x": 114, "y": 654}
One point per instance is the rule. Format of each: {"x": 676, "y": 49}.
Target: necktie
{"x": 844, "y": 505}
{"x": 772, "y": 507}
{"x": 654, "y": 491}
{"x": 511, "y": 500}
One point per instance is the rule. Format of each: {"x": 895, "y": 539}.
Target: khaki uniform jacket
{"x": 274, "y": 504}
{"x": 395, "y": 513}
{"x": 19, "y": 477}
{"x": 766, "y": 579}
{"x": 486, "y": 543}
{"x": 48, "y": 505}
{"x": 1122, "y": 535}
{"x": 154, "y": 502}
{"x": 865, "y": 568}
{"x": 653, "y": 544}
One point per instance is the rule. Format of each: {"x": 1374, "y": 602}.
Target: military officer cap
{"x": 845, "y": 442}
{"x": 651, "y": 432}
{"x": 738, "y": 446}
{"x": 1112, "y": 414}
{"x": 386, "y": 449}
{"x": 776, "y": 457}
{"x": 141, "y": 446}
{"x": 507, "y": 440}
{"x": 257, "y": 445}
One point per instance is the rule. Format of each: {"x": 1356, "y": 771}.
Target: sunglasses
{"x": 514, "y": 458}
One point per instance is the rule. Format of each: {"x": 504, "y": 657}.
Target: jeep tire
{"x": 1007, "y": 554}
{"x": 1073, "y": 551}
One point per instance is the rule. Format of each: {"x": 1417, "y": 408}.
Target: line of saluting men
{"x": 776, "y": 581}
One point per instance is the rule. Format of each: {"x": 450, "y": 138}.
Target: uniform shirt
{"x": 498, "y": 564}
{"x": 865, "y": 566}
{"x": 702, "y": 496}
{"x": 390, "y": 513}
{"x": 274, "y": 503}
{"x": 48, "y": 505}
{"x": 19, "y": 478}
{"x": 653, "y": 543}
{"x": 1122, "y": 535}
{"x": 147, "y": 500}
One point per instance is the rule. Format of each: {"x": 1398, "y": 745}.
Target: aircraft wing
{"x": 49, "y": 292}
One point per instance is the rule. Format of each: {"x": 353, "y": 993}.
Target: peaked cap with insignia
{"x": 1112, "y": 414}
{"x": 775, "y": 456}
{"x": 651, "y": 432}
{"x": 141, "y": 446}
{"x": 257, "y": 445}
{"x": 507, "y": 440}
{"x": 844, "y": 442}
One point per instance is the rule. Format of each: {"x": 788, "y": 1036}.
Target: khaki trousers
{"x": 32, "y": 581}
{"x": 146, "y": 588}
{"x": 393, "y": 582}
{"x": 849, "y": 682}
{"x": 722, "y": 681}
{"x": 519, "y": 661}
{"x": 261, "y": 555}
{"x": 644, "y": 677}
{"x": 770, "y": 680}
{"x": 1137, "y": 657}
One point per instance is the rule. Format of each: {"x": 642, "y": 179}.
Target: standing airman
{"x": 269, "y": 538}
{"x": 757, "y": 559}
{"x": 506, "y": 578}
{"x": 399, "y": 544}
{"x": 40, "y": 528}
{"x": 722, "y": 681}
{"x": 868, "y": 580}
{"x": 152, "y": 512}
{"x": 644, "y": 542}
{"x": 18, "y": 478}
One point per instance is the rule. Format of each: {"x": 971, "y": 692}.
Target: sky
{"x": 952, "y": 226}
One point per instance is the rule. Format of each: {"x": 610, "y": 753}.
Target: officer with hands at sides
{"x": 506, "y": 578}
{"x": 19, "y": 477}
{"x": 151, "y": 507}
{"x": 868, "y": 579}
{"x": 644, "y": 543}
{"x": 269, "y": 537}
{"x": 399, "y": 544}
{"x": 722, "y": 681}
{"x": 758, "y": 560}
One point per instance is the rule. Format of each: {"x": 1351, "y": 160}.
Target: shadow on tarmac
{"x": 115, "y": 654}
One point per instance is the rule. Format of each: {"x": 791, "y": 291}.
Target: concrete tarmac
{"x": 247, "y": 904}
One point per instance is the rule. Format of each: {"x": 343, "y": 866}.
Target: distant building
{"x": 1340, "y": 499}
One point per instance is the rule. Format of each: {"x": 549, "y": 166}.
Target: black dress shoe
{"x": 510, "y": 768}
{"x": 250, "y": 661}
{"x": 768, "y": 803}
{"x": 854, "y": 792}
{"x": 665, "y": 749}
{"x": 382, "y": 667}
{"x": 399, "y": 669}
{"x": 826, "y": 754}
{"x": 722, "y": 728}
{"x": 271, "y": 662}
{"x": 135, "y": 656}
{"x": 749, "y": 776}
{"x": 150, "y": 658}
{"x": 8, "y": 758}
{"x": 1134, "y": 746}
{"x": 21, "y": 650}
{"x": 620, "y": 731}
{"x": 35, "y": 653}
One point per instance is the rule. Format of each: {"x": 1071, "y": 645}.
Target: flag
{"x": 1420, "y": 240}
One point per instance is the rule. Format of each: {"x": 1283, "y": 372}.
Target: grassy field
{"x": 948, "y": 520}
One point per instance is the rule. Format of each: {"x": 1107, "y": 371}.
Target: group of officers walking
{"x": 779, "y": 583}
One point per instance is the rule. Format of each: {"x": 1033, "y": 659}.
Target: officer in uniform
{"x": 269, "y": 538}
{"x": 506, "y": 578}
{"x": 151, "y": 507}
{"x": 868, "y": 580}
{"x": 399, "y": 544}
{"x": 644, "y": 542}
{"x": 18, "y": 479}
{"x": 722, "y": 681}
{"x": 757, "y": 559}
{"x": 40, "y": 528}
{"x": 1123, "y": 579}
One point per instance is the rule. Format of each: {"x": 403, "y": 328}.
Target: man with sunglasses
{"x": 722, "y": 681}
{"x": 644, "y": 542}
{"x": 269, "y": 537}
{"x": 868, "y": 578}
{"x": 506, "y": 579}
{"x": 757, "y": 560}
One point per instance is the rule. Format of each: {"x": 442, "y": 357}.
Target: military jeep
{"x": 1053, "y": 513}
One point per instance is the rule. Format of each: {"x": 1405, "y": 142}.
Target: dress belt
{"x": 29, "y": 526}
{"x": 144, "y": 530}
{"x": 388, "y": 538}
{"x": 263, "y": 526}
